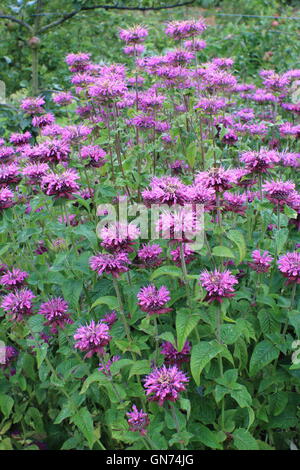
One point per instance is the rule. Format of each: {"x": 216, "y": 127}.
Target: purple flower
{"x": 217, "y": 178}
{"x": 138, "y": 421}
{"x": 104, "y": 366}
{"x": 194, "y": 45}
{"x": 78, "y": 62}
{"x": 165, "y": 384}
{"x": 261, "y": 261}
{"x": 235, "y": 202}
{"x": 218, "y": 284}
{"x": 7, "y": 154}
{"x": 6, "y": 198}
{"x": 165, "y": 190}
{"x": 260, "y": 162}
{"x": 14, "y": 279}
{"x": 35, "y": 171}
{"x": 211, "y": 105}
{"x": 178, "y": 166}
{"x": 185, "y": 29}
{"x": 110, "y": 318}
{"x": 63, "y": 98}
{"x": 92, "y": 338}
{"x": 134, "y": 35}
{"x": 20, "y": 139}
{"x": 153, "y": 300}
{"x": 9, "y": 354}
{"x": 110, "y": 263}
{"x": 279, "y": 192}
{"x": 18, "y": 304}
{"x": 55, "y": 312}
{"x": 43, "y": 120}
{"x": 289, "y": 265}
{"x": 150, "y": 255}
{"x": 60, "y": 185}
{"x": 33, "y": 105}
{"x": 9, "y": 174}
{"x": 188, "y": 254}
{"x": 119, "y": 236}
{"x": 94, "y": 154}
{"x": 173, "y": 356}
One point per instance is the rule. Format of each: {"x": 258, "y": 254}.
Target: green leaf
{"x": 223, "y": 251}
{"x": 41, "y": 353}
{"x": 6, "y": 404}
{"x": 208, "y": 438}
{"x": 96, "y": 376}
{"x": 202, "y": 354}
{"x": 264, "y": 353}
{"x": 281, "y": 237}
{"x": 172, "y": 271}
{"x": 243, "y": 440}
{"x": 83, "y": 420}
{"x": 185, "y": 323}
{"x": 278, "y": 402}
{"x": 237, "y": 237}
{"x": 140, "y": 368}
{"x": 110, "y": 301}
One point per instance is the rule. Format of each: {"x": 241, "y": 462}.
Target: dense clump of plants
{"x": 182, "y": 335}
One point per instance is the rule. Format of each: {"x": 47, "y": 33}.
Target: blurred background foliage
{"x": 254, "y": 42}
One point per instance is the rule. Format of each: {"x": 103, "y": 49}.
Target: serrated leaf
{"x": 243, "y": 440}
{"x": 185, "y": 323}
{"x": 202, "y": 354}
{"x": 172, "y": 271}
{"x": 223, "y": 251}
{"x": 264, "y": 353}
{"x": 237, "y": 237}
{"x": 109, "y": 300}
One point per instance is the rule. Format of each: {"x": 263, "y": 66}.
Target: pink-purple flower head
{"x": 63, "y": 98}
{"x": 165, "y": 384}
{"x": 291, "y": 159}
{"x": 134, "y": 50}
{"x": 92, "y": 338}
{"x": 44, "y": 120}
{"x": 34, "y": 172}
{"x": 211, "y": 105}
{"x": 9, "y": 353}
{"x": 185, "y": 29}
{"x": 178, "y": 166}
{"x": 119, "y": 237}
{"x": 105, "y": 365}
{"x": 33, "y": 105}
{"x": 194, "y": 45}
{"x": 188, "y": 255}
{"x": 236, "y": 203}
{"x": 78, "y": 62}
{"x": 180, "y": 225}
{"x": 150, "y": 255}
{"x": 153, "y": 300}
{"x": 13, "y": 279}
{"x": 217, "y": 178}
{"x": 173, "y": 356}
{"x": 279, "y": 192}
{"x": 138, "y": 421}
{"x": 7, "y": 154}
{"x": 110, "y": 263}
{"x": 261, "y": 261}
{"x": 200, "y": 194}
{"x": 94, "y": 154}
{"x": 165, "y": 190}
{"x": 107, "y": 88}
{"x": 56, "y": 313}
{"x": 218, "y": 284}
{"x": 6, "y": 198}
{"x": 261, "y": 161}
{"x": 18, "y": 139}
{"x": 289, "y": 265}
{"x": 60, "y": 185}
{"x": 9, "y": 174}
{"x": 110, "y": 318}
{"x": 134, "y": 35}
{"x": 18, "y": 304}
{"x": 75, "y": 134}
